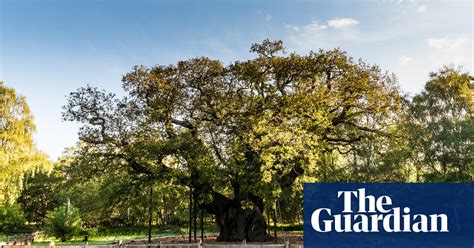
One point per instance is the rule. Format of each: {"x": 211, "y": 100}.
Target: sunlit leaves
{"x": 18, "y": 153}
{"x": 441, "y": 127}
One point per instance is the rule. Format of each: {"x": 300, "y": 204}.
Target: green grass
{"x": 99, "y": 240}
{"x": 288, "y": 227}
{"x": 113, "y": 235}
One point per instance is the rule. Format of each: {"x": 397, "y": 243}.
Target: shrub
{"x": 12, "y": 219}
{"x": 88, "y": 233}
{"x": 62, "y": 224}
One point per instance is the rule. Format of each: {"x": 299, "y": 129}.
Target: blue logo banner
{"x": 389, "y": 215}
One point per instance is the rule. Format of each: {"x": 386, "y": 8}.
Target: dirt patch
{"x": 294, "y": 238}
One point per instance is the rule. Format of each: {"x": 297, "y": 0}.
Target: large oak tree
{"x": 240, "y": 134}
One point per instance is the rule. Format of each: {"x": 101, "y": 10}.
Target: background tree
{"x": 17, "y": 150}
{"x": 12, "y": 219}
{"x": 40, "y": 194}
{"x": 440, "y": 128}
{"x": 109, "y": 194}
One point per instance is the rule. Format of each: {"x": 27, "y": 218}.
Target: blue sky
{"x": 50, "y": 48}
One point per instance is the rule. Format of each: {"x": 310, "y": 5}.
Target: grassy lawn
{"x": 98, "y": 240}
{"x": 113, "y": 235}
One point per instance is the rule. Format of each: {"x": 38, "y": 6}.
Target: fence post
{"x": 287, "y": 244}
{"x": 150, "y": 216}
{"x": 190, "y": 212}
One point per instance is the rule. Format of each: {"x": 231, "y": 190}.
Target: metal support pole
{"x": 275, "y": 224}
{"x": 150, "y": 217}
{"x": 202, "y": 224}
{"x": 190, "y": 213}
{"x": 195, "y": 218}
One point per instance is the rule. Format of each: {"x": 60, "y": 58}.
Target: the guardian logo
{"x": 374, "y": 214}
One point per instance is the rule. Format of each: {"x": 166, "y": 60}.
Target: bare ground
{"x": 211, "y": 238}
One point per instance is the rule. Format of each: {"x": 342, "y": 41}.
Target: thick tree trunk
{"x": 237, "y": 223}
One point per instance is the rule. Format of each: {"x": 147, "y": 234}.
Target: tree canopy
{"x": 18, "y": 152}
{"x": 441, "y": 127}
{"x": 241, "y": 133}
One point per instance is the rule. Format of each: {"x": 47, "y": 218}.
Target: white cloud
{"x": 315, "y": 26}
{"x": 410, "y": 6}
{"x": 404, "y": 59}
{"x": 422, "y": 9}
{"x": 447, "y": 43}
{"x": 268, "y": 18}
{"x": 342, "y": 22}
{"x": 455, "y": 51}
{"x": 400, "y": 2}
{"x": 318, "y": 34}
{"x": 292, "y": 28}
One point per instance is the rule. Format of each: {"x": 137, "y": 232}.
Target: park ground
{"x": 165, "y": 234}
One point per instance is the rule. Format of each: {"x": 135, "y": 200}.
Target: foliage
{"x": 88, "y": 233}
{"x": 17, "y": 150}
{"x": 236, "y": 134}
{"x": 440, "y": 127}
{"x": 12, "y": 219}
{"x": 40, "y": 194}
{"x": 113, "y": 198}
{"x": 63, "y": 223}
